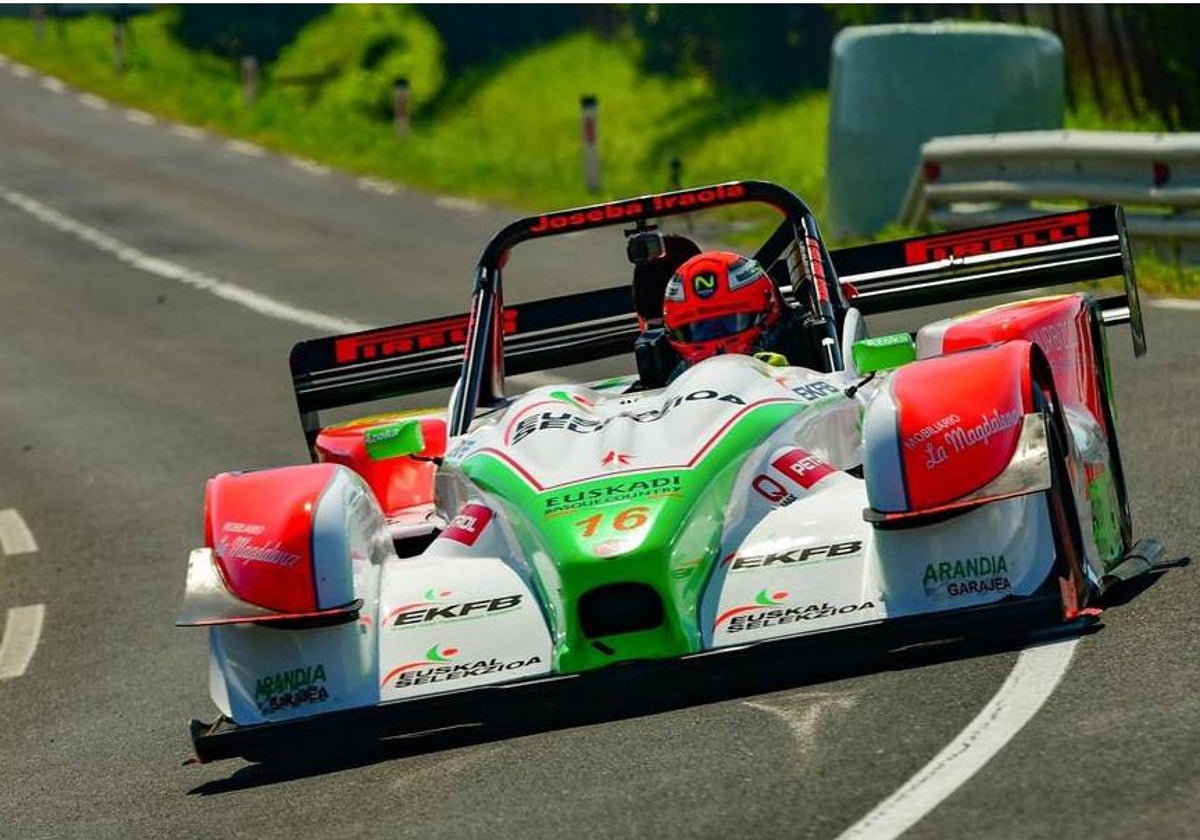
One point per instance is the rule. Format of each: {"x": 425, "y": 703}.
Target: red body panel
{"x": 260, "y": 529}
{"x": 397, "y": 483}
{"x": 1059, "y": 326}
{"x": 960, "y": 417}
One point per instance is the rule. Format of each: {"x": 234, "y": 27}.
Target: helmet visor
{"x": 721, "y": 326}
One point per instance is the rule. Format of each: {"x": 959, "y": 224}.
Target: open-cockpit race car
{"x": 969, "y": 471}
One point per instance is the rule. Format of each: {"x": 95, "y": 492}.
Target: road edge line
{"x": 1039, "y": 669}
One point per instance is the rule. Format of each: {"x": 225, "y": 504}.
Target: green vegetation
{"x": 511, "y": 136}
{"x": 505, "y": 131}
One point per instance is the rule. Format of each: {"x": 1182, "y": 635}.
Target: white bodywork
{"x": 794, "y": 555}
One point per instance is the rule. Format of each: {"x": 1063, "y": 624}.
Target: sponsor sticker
{"x": 704, "y": 284}
{"x": 413, "y": 338}
{"x": 960, "y": 438}
{"x": 939, "y": 425}
{"x": 466, "y": 527}
{"x": 814, "y": 391}
{"x": 616, "y": 459}
{"x": 291, "y": 689}
{"x": 440, "y": 609}
{"x": 608, "y": 213}
{"x": 674, "y": 289}
{"x": 802, "y": 467}
{"x": 617, "y": 491}
{"x": 248, "y": 551}
{"x": 444, "y": 664}
{"x": 972, "y": 576}
{"x": 743, "y": 272}
{"x": 812, "y": 553}
{"x": 772, "y": 491}
{"x": 243, "y": 528}
{"x": 764, "y": 613}
{"x": 611, "y": 548}
{"x": 998, "y": 238}
{"x": 571, "y": 422}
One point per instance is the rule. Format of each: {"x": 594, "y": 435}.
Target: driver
{"x": 719, "y": 302}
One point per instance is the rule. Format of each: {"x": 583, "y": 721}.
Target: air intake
{"x": 619, "y": 608}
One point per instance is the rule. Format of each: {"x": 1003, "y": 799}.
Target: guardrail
{"x": 988, "y": 178}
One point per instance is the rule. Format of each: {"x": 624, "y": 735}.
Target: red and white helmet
{"x": 718, "y": 302}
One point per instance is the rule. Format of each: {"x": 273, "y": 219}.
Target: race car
{"x": 967, "y": 473}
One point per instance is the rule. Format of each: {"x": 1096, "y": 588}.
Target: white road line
{"x": 93, "y": 101}
{"x": 22, "y": 630}
{"x": 21, "y": 70}
{"x": 139, "y": 117}
{"x": 244, "y": 148}
{"x": 187, "y": 131}
{"x": 1175, "y": 303}
{"x": 377, "y": 186}
{"x": 15, "y": 536}
{"x": 464, "y": 205}
{"x": 309, "y": 166}
{"x": 54, "y": 85}
{"x": 248, "y": 298}
{"x": 1033, "y": 679}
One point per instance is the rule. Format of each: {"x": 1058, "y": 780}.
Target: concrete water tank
{"x": 894, "y": 87}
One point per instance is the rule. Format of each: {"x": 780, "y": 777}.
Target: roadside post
{"x": 118, "y": 39}
{"x": 38, "y": 13}
{"x": 675, "y": 182}
{"x": 249, "y": 79}
{"x": 400, "y": 105}
{"x": 591, "y": 152}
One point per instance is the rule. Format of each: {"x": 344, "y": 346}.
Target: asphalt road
{"x": 121, "y": 391}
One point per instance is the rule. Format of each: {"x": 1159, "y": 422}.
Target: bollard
{"x": 118, "y": 38}
{"x": 591, "y": 152}
{"x": 249, "y": 79}
{"x": 400, "y": 105}
{"x": 675, "y": 166}
{"x": 38, "y": 13}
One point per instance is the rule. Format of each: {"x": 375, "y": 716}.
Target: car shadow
{"x": 608, "y": 696}
{"x": 1124, "y": 592}
{"x": 615, "y": 694}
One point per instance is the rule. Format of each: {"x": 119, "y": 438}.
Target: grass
{"x": 508, "y": 134}
{"x": 515, "y": 137}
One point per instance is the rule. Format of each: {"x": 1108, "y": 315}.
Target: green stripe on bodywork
{"x": 574, "y": 539}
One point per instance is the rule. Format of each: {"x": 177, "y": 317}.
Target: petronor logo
{"x": 704, "y": 284}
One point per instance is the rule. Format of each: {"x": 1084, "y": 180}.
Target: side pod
{"x": 288, "y": 586}
{"x": 954, "y": 431}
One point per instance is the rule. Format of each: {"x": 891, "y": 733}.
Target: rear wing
{"x": 1073, "y": 247}
{"x": 428, "y": 355}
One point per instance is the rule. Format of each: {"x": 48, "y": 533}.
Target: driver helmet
{"x": 718, "y": 302}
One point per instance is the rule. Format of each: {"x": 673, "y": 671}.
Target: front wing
{"x": 1003, "y": 622}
